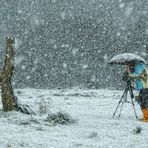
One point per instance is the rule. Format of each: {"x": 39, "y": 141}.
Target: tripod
{"x": 123, "y": 99}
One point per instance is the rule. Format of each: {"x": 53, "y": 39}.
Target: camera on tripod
{"x": 126, "y": 77}
{"x": 130, "y": 61}
{"x": 128, "y": 89}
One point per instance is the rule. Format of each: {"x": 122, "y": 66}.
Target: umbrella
{"x": 126, "y": 57}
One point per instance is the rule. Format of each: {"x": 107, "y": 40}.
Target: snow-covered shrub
{"x": 60, "y": 118}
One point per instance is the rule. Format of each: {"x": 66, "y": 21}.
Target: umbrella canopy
{"x": 126, "y": 57}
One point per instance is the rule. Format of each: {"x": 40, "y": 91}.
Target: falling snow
{"x": 62, "y": 50}
{"x": 65, "y": 43}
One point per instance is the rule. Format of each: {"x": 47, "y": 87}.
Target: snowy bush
{"x": 60, "y": 118}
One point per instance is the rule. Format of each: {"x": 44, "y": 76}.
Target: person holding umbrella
{"x": 136, "y": 73}
{"x": 139, "y": 74}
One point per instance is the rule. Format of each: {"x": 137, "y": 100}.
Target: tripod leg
{"x": 135, "y": 111}
{"x": 116, "y": 108}
{"x": 134, "y": 108}
{"x": 121, "y": 109}
{"x": 132, "y": 96}
{"x": 121, "y": 100}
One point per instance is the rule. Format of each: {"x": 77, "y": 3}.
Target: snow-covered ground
{"x": 92, "y": 111}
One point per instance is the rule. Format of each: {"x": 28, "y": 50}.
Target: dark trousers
{"x": 143, "y": 98}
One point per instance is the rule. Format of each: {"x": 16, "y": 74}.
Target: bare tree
{"x": 9, "y": 100}
{"x": 5, "y": 77}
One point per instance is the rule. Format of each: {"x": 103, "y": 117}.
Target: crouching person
{"x": 140, "y": 77}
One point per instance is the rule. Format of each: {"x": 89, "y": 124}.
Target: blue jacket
{"x": 138, "y": 68}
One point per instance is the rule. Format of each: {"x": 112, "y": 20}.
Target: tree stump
{"x": 9, "y": 100}
{"x": 6, "y": 75}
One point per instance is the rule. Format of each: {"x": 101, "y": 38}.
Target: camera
{"x": 125, "y": 76}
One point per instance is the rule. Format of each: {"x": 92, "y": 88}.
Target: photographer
{"x": 138, "y": 73}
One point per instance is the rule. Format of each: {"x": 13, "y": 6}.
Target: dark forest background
{"x": 67, "y": 43}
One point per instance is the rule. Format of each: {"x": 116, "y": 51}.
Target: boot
{"x": 145, "y": 115}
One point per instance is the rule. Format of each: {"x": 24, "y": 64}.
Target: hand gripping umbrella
{"x": 123, "y": 59}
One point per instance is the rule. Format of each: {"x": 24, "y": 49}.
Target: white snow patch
{"x": 55, "y": 46}
{"x": 105, "y": 58}
{"x": 118, "y": 34}
{"x": 27, "y": 77}
{"x": 17, "y": 43}
{"x": 63, "y": 15}
{"x": 65, "y": 45}
{"x": 129, "y": 10}
{"x": 85, "y": 66}
{"x": 18, "y": 60}
{"x": 20, "y": 11}
{"x": 121, "y": 5}
{"x": 94, "y": 126}
{"x": 23, "y": 67}
{"x": 74, "y": 51}
{"x": 35, "y": 21}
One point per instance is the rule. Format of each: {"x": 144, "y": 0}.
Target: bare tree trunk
{"x": 6, "y": 74}
{"x": 9, "y": 100}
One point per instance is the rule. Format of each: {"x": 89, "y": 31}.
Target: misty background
{"x": 67, "y": 43}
